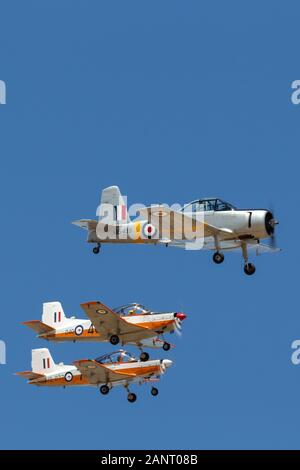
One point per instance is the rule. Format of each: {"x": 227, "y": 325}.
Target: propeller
{"x": 164, "y": 364}
{"x": 178, "y": 318}
{"x": 272, "y": 222}
{"x": 178, "y": 327}
{"x": 162, "y": 367}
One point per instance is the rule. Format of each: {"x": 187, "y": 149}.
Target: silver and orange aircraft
{"x": 129, "y": 324}
{"x": 208, "y": 224}
{"x": 106, "y": 372}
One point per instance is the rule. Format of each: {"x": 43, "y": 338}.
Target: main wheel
{"x": 96, "y": 249}
{"x": 249, "y": 269}
{"x": 166, "y": 346}
{"x": 114, "y": 340}
{"x": 131, "y": 397}
{"x": 218, "y": 257}
{"x": 144, "y": 356}
{"x": 104, "y": 389}
{"x": 154, "y": 391}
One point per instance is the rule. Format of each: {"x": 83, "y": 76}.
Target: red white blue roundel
{"x": 78, "y": 330}
{"x": 68, "y": 377}
{"x": 149, "y": 230}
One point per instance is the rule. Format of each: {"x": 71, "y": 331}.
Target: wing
{"x": 187, "y": 245}
{"x": 97, "y": 373}
{"x": 171, "y": 224}
{"x": 107, "y": 322}
{"x": 260, "y": 248}
{"x": 87, "y": 224}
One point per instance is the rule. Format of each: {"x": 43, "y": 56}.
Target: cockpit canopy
{"x": 205, "y": 205}
{"x": 117, "y": 356}
{"x": 132, "y": 309}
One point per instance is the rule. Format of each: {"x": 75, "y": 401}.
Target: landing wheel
{"x": 218, "y": 257}
{"x": 96, "y": 249}
{"x": 144, "y": 356}
{"x": 249, "y": 269}
{"x": 131, "y": 397}
{"x": 166, "y": 346}
{"x": 154, "y": 391}
{"x": 114, "y": 339}
{"x": 104, "y": 389}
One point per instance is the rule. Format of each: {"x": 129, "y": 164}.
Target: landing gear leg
{"x": 249, "y": 268}
{"x": 218, "y": 257}
{"x": 131, "y": 397}
{"x": 96, "y": 248}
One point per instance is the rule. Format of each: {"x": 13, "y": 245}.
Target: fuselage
{"x": 69, "y": 375}
{"x": 244, "y": 224}
{"x": 84, "y": 330}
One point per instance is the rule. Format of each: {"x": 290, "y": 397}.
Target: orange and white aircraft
{"x": 129, "y": 324}
{"x": 118, "y": 368}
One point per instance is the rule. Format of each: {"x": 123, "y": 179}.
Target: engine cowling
{"x": 261, "y": 223}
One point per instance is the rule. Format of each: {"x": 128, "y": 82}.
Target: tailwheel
{"x": 218, "y": 257}
{"x": 144, "y": 356}
{"x": 96, "y": 249}
{"x": 131, "y": 397}
{"x": 154, "y": 391}
{"x": 166, "y": 346}
{"x": 249, "y": 269}
{"x": 114, "y": 340}
{"x": 104, "y": 389}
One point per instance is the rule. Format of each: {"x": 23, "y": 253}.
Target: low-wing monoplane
{"x": 209, "y": 224}
{"x": 107, "y": 371}
{"x": 129, "y": 324}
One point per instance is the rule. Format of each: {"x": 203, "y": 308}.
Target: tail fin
{"x": 41, "y": 361}
{"x": 116, "y": 205}
{"x": 53, "y": 314}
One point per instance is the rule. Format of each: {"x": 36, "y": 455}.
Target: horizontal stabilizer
{"x": 29, "y": 375}
{"x": 39, "y": 327}
{"x": 87, "y": 224}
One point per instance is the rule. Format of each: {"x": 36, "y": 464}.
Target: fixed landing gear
{"x": 154, "y": 391}
{"x": 249, "y": 268}
{"x": 218, "y": 257}
{"x": 104, "y": 389}
{"x": 114, "y": 340}
{"x": 166, "y": 346}
{"x": 144, "y": 357}
{"x": 131, "y": 397}
{"x": 96, "y": 249}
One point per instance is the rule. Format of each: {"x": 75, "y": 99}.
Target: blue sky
{"x": 171, "y": 101}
